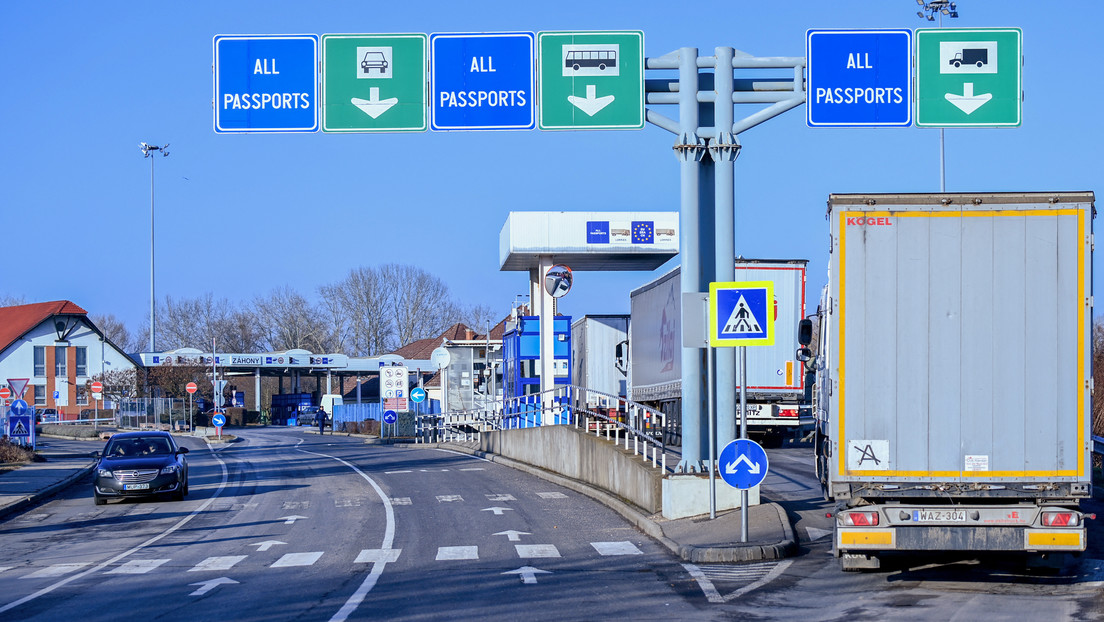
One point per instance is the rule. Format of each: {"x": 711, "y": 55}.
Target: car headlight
{"x": 104, "y": 473}
{"x": 169, "y": 470}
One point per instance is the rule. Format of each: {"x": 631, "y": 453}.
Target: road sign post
{"x": 969, "y": 77}
{"x": 859, "y": 78}
{"x": 482, "y": 81}
{"x": 374, "y": 83}
{"x": 591, "y": 80}
{"x": 266, "y": 83}
{"x": 191, "y": 388}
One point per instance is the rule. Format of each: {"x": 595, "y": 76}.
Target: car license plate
{"x": 135, "y": 486}
{"x": 939, "y": 516}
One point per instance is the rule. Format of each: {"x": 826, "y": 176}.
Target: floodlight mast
{"x": 146, "y": 151}
{"x": 932, "y": 8}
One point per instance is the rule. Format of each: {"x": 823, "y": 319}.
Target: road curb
{"x": 686, "y": 552}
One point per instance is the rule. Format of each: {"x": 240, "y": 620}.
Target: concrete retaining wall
{"x": 568, "y": 451}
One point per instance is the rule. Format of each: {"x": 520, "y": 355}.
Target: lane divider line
{"x": 381, "y": 560}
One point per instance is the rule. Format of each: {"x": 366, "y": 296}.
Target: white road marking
{"x": 394, "y": 472}
{"x": 207, "y": 586}
{"x": 347, "y": 503}
{"x": 817, "y": 534}
{"x": 771, "y": 576}
{"x": 369, "y": 582}
{"x": 400, "y": 501}
{"x": 711, "y": 593}
{"x": 551, "y": 495}
{"x": 449, "y": 498}
{"x": 450, "y": 553}
{"x": 536, "y": 550}
{"x": 297, "y": 559}
{"x": 528, "y": 574}
{"x": 474, "y": 469}
{"x": 125, "y": 554}
{"x": 3, "y": 568}
{"x": 290, "y": 520}
{"x": 497, "y": 510}
{"x": 513, "y": 536}
{"x": 460, "y": 453}
{"x": 501, "y": 498}
{"x": 616, "y": 548}
{"x": 217, "y": 563}
{"x": 371, "y": 556}
{"x": 56, "y": 570}
{"x": 138, "y": 566}
{"x": 296, "y": 505}
{"x": 267, "y": 544}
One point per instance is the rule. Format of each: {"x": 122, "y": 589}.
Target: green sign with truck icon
{"x": 969, "y": 77}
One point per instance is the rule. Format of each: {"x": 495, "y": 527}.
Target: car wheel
{"x": 185, "y": 493}
{"x": 179, "y": 494}
{"x": 98, "y": 499}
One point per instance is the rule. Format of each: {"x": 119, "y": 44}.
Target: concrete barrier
{"x": 570, "y": 452}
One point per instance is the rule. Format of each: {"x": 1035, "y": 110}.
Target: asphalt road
{"x": 288, "y": 525}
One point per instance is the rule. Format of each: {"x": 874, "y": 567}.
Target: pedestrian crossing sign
{"x": 741, "y": 313}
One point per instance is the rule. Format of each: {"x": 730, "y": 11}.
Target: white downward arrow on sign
{"x": 753, "y": 467}
{"x": 528, "y": 573}
{"x": 207, "y": 586}
{"x": 968, "y": 102}
{"x": 590, "y": 104}
{"x": 374, "y": 106}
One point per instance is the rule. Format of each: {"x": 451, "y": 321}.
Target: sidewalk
{"x": 67, "y": 462}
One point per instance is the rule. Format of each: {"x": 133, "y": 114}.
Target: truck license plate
{"x": 939, "y": 516}
{"x": 135, "y": 486}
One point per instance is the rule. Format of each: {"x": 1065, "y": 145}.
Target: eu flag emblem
{"x": 643, "y": 232}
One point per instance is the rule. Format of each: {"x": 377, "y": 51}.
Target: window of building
{"x": 82, "y": 396}
{"x": 39, "y": 395}
{"x": 82, "y": 361}
{"x": 40, "y": 361}
{"x": 61, "y": 370}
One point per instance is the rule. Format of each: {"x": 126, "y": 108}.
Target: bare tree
{"x": 359, "y": 312}
{"x": 421, "y": 304}
{"x": 12, "y": 300}
{"x": 242, "y": 332}
{"x": 116, "y": 332}
{"x": 479, "y": 317}
{"x": 289, "y": 321}
{"x": 1098, "y": 375}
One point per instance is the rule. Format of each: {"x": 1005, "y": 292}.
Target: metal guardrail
{"x": 1098, "y": 445}
{"x": 639, "y": 428}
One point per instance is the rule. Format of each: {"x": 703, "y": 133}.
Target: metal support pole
{"x": 689, "y": 148}
{"x": 724, "y": 148}
{"x": 743, "y": 435}
{"x": 153, "y": 316}
{"x": 710, "y": 383}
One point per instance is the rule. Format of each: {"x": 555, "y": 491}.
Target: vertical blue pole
{"x": 724, "y": 149}
{"x": 688, "y": 149}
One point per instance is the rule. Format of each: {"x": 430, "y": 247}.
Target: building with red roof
{"x": 58, "y": 351}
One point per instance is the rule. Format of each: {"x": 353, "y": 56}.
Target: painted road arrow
{"x": 267, "y": 544}
{"x": 528, "y": 573}
{"x": 968, "y": 102}
{"x": 498, "y": 511}
{"x": 513, "y": 536}
{"x": 590, "y": 104}
{"x": 290, "y": 520}
{"x": 374, "y": 106}
{"x": 753, "y": 468}
{"x": 207, "y": 586}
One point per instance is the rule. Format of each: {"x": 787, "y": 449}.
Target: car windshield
{"x": 136, "y": 447}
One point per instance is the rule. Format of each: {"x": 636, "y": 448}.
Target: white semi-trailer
{"x": 776, "y": 381}
{"x": 954, "y": 373}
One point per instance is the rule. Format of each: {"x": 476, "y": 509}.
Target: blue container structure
{"x": 521, "y": 368}
{"x": 285, "y": 407}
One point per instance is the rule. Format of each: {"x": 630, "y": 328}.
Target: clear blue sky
{"x": 239, "y": 215}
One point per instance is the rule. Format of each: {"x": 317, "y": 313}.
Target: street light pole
{"x": 146, "y": 149}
